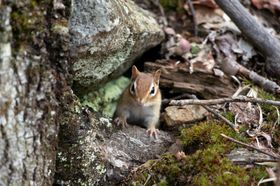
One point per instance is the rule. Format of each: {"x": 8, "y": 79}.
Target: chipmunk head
{"x": 145, "y": 86}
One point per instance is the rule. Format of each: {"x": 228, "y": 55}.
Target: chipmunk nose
{"x": 140, "y": 101}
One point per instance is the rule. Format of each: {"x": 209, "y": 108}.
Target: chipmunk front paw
{"x": 152, "y": 131}
{"x": 120, "y": 122}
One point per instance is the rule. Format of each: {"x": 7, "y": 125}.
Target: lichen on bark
{"x": 28, "y": 127}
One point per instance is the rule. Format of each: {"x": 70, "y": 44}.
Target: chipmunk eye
{"x": 132, "y": 89}
{"x": 152, "y": 91}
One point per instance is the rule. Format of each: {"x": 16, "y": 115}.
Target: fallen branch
{"x": 257, "y": 79}
{"x": 229, "y": 66}
{"x": 250, "y": 147}
{"x": 221, "y": 101}
{"x": 255, "y": 33}
{"x": 182, "y": 96}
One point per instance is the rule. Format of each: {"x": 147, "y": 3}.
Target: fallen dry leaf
{"x": 204, "y": 62}
{"x": 207, "y": 3}
{"x": 272, "y": 5}
{"x": 247, "y": 113}
{"x": 208, "y": 15}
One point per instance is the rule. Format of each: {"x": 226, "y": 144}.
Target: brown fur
{"x": 140, "y": 107}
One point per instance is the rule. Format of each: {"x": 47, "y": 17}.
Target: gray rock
{"x": 107, "y": 36}
{"x": 96, "y": 153}
{"x": 131, "y": 147}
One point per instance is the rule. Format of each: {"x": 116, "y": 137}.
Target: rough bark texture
{"x": 107, "y": 36}
{"x": 28, "y": 105}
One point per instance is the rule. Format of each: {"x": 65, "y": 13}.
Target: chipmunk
{"x": 140, "y": 102}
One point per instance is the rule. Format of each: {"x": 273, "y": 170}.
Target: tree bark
{"x": 28, "y": 97}
{"x": 255, "y": 33}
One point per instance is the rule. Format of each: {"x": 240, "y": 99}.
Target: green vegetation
{"x": 272, "y": 120}
{"x": 195, "y": 49}
{"x": 205, "y": 163}
{"x": 269, "y": 110}
{"x": 28, "y": 20}
{"x": 173, "y": 5}
{"x": 105, "y": 99}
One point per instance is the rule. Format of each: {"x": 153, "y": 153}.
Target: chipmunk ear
{"x": 134, "y": 72}
{"x": 157, "y": 76}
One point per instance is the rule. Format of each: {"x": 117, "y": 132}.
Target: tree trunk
{"x": 28, "y": 97}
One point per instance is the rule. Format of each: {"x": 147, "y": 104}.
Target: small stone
{"x": 177, "y": 115}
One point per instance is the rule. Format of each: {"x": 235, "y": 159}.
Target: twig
{"x": 250, "y": 147}
{"x": 222, "y": 100}
{"x": 232, "y": 125}
{"x": 182, "y": 96}
{"x": 255, "y": 161}
{"x": 271, "y": 174}
{"x": 190, "y": 4}
{"x": 147, "y": 180}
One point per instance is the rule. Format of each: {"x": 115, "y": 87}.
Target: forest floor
{"x": 204, "y": 57}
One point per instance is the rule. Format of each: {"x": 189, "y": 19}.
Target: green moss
{"x": 195, "y": 49}
{"x": 258, "y": 173}
{"x": 105, "y": 99}
{"x": 28, "y": 20}
{"x": 206, "y": 134}
{"x": 229, "y": 115}
{"x": 162, "y": 182}
{"x": 173, "y": 5}
{"x": 206, "y": 165}
{"x": 270, "y": 116}
{"x": 269, "y": 110}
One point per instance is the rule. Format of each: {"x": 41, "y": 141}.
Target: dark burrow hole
{"x": 151, "y": 55}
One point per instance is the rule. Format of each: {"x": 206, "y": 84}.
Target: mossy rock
{"x": 206, "y": 165}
